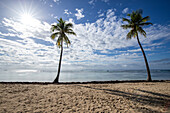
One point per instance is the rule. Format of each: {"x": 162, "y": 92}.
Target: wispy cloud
{"x": 25, "y": 45}
{"x": 161, "y": 63}
{"x": 67, "y": 12}
{"x": 137, "y": 50}
{"x": 92, "y": 2}
{"x": 125, "y": 10}
{"x": 79, "y": 13}
{"x": 56, "y": 0}
{"x": 102, "y": 42}
{"x": 105, "y": 1}
{"x": 102, "y": 14}
{"x": 161, "y": 60}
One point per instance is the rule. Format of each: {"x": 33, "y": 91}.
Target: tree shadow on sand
{"x": 158, "y": 100}
{"x": 153, "y": 93}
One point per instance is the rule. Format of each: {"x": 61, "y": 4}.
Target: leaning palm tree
{"x": 135, "y": 23}
{"x": 60, "y": 30}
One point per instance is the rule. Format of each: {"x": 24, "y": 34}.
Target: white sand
{"x": 119, "y": 97}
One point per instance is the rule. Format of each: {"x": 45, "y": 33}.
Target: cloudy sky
{"x": 100, "y": 43}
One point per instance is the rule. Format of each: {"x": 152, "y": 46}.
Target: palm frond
{"x": 127, "y": 20}
{"x": 127, "y": 26}
{"x": 66, "y": 40}
{"x": 63, "y": 28}
{"x": 54, "y": 27}
{"x": 146, "y": 23}
{"x": 145, "y": 19}
{"x": 69, "y": 25}
{"x": 61, "y": 23}
{"x": 60, "y": 20}
{"x": 55, "y": 35}
{"x": 59, "y": 41}
{"x": 69, "y": 30}
{"x": 131, "y": 34}
{"x": 141, "y": 31}
{"x": 136, "y": 22}
{"x": 128, "y": 14}
{"x": 71, "y": 33}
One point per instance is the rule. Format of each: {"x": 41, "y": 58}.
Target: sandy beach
{"x": 146, "y": 97}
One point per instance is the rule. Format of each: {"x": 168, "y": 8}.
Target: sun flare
{"x": 28, "y": 19}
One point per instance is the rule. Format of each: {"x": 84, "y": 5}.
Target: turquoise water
{"x": 81, "y": 76}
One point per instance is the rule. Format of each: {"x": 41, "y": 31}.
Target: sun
{"x": 27, "y": 19}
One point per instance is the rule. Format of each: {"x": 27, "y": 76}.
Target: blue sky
{"x": 100, "y": 43}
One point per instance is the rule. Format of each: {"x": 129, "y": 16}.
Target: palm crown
{"x": 136, "y": 22}
{"x": 60, "y": 30}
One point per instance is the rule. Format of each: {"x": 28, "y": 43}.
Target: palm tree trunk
{"x": 59, "y": 66}
{"x": 146, "y": 62}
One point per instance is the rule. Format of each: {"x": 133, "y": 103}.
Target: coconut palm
{"x": 60, "y": 30}
{"x": 135, "y": 23}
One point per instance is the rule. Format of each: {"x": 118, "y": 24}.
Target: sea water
{"x": 81, "y": 75}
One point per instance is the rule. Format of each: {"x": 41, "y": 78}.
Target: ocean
{"x": 27, "y": 75}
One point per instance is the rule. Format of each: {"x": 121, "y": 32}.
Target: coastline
{"x": 88, "y": 82}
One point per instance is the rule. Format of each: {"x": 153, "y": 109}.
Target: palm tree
{"x": 60, "y": 30}
{"x": 135, "y": 23}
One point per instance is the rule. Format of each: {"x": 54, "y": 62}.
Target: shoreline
{"x": 88, "y": 82}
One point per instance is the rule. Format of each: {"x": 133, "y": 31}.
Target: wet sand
{"x": 146, "y": 97}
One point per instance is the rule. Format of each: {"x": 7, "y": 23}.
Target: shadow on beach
{"x": 149, "y": 98}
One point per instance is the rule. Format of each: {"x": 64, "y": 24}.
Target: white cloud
{"x": 34, "y": 29}
{"x": 56, "y": 0}
{"x": 25, "y": 43}
{"x": 79, "y": 14}
{"x": 102, "y": 14}
{"x": 110, "y": 13}
{"x": 125, "y": 10}
{"x": 97, "y": 44}
{"x": 105, "y": 1}
{"x": 137, "y": 50}
{"x": 67, "y": 12}
{"x": 92, "y": 2}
